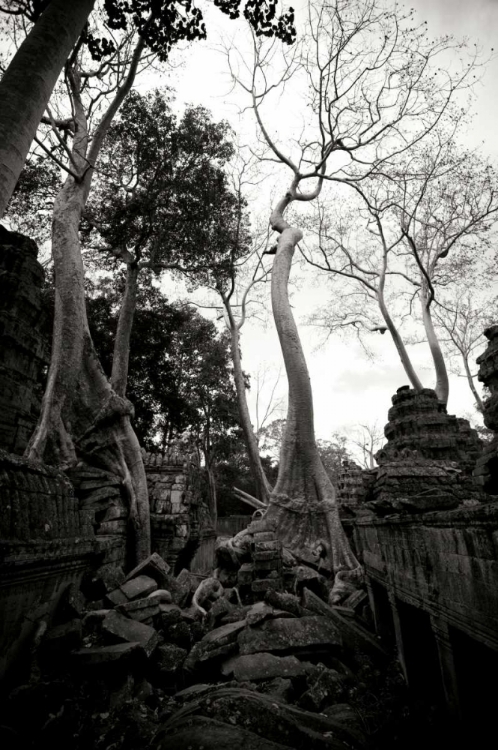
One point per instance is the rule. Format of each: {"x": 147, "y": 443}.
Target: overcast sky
{"x": 348, "y": 389}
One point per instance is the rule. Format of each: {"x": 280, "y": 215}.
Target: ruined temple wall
{"x": 23, "y": 347}
{"x": 180, "y": 524}
{"x": 427, "y": 537}
{"x": 445, "y": 563}
{"x": 46, "y": 543}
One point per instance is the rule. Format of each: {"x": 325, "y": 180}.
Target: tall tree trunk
{"x": 213, "y": 500}
{"x": 263, "y": 488}
{"x": 82, "y": 417}
{"x": 442, "y": 382}
{"x": 470, "y": 380}
{"x": 304, "y": 500}
{"x": 121, "y": 354}
{"x": 29, "y": 81}
{"x": 399, "y": 344}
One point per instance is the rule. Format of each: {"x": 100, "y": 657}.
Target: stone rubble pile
{"x": 269, "y": 662}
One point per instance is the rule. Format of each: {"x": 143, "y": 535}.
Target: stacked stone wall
{"x": 486, "y": 471}
{"x": 23, "y": 340}
{"x": 180, "y": 523}
{"x": 46, "y": 543}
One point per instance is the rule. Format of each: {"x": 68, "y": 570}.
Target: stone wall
{"x": 46, "y": 543}
{"x": 486, "y": 471}
{"x": 23, "y": 344}
{"x": 182, "y": 532}
{"x": 427, "y": 537}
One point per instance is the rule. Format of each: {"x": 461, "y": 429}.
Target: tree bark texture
{"x": 213, "y": 499}
{"x": 442, "y": 382}
{"x": 304, "y": 500}
{"x": 399, "y": 344}
{"x": 29, "y": 81}
{"x": 121, "y": 354}
{"x": 263, "y": 488}
{"x": 470, "y": 380}
{"x": 82, "y": 417}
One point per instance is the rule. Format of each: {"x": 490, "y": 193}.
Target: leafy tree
{"x": 32, "y": 203}
{"x": 179, "y": 375}
{"x": 162, "y": 203}
{"x": 332, "y": 453}
{"x": 59, "y": 25}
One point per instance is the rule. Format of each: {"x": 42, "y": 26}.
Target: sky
{"x": 348, "y": 388}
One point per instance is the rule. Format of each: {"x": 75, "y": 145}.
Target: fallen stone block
{"x": 221, "y": 641}
{"x": 262, "y": 666}
{"x": 170, "y": 658}
{"x": 354, "y": 635}
{"x": 288, "y": 634}
{"x": 97, "y": 655}
{"x": 153, "y": 567}
{"x": 283, "y": 600}
{"x": 138, "y": 587}
{"x": 120, "y": 628}
{"x": 139, "y": 609}
{"x": 116, "y": 597}
{"x": 182, "y": 588}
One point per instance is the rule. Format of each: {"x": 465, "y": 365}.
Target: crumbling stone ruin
{"x": 247, "y": 643}
{"x": 23, "y": 350}
{"x": 181, "y": 525}
{"x": 486, "y": 470}
{"x": 428, "y": 460}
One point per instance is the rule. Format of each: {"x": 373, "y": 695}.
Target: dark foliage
{"x": 163, "y": 23}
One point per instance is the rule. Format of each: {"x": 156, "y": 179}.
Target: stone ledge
{"x": 486, "y": 513}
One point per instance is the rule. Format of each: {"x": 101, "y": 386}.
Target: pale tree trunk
{"x": 263, "y": 488}
{"x": 303, "y": 501}
{"x": 400, "y": 346}
{"x": 213, "y": 499}
{"x": 82, "y": 417}
{"x": 121, "y": 354}
{"x": 29, "y": 81}
{"x": 442, "y": 382}
{"x": 471, "y": 383}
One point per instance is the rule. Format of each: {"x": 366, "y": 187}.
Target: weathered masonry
{"x": 57, "y": 528}
{"x": 428, "y": 539}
